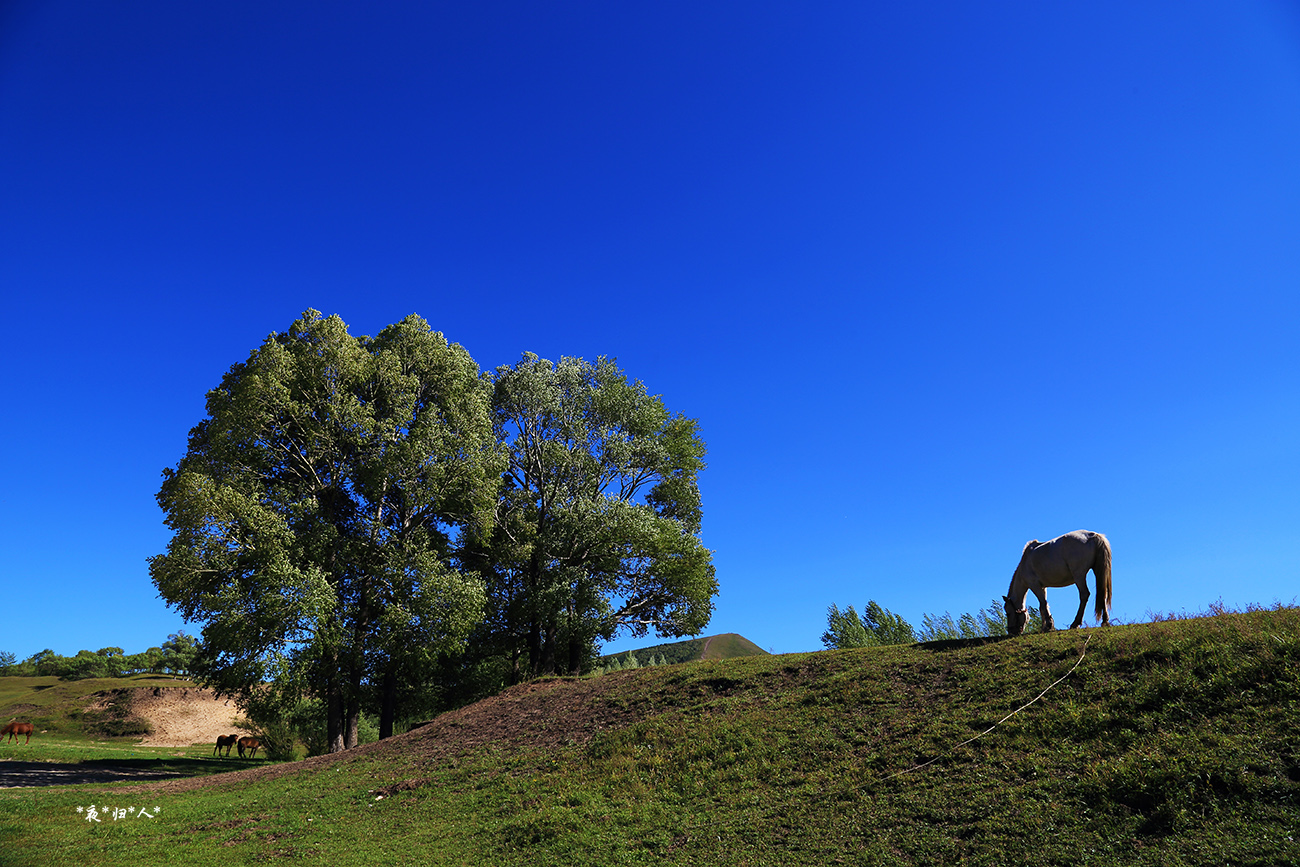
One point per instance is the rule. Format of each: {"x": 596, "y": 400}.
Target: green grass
{"x": 192, "y": 760}
{"x": 1172, "y": 743}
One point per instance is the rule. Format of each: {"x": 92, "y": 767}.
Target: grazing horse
{"x": 250, "y": 744}
{"x": 14, "y": 729}
{"x": 1059, "y": 563}
{"x": 226, "y": 741}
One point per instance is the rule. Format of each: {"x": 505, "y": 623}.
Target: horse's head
{"x": 1016, "y": 617}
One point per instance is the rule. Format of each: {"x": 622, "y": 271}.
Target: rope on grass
{"x": 953, "y": 749}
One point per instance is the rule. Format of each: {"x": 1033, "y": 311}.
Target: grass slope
{"x": 1171, "y": 743}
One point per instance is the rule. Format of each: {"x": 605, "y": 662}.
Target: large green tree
{"x": 319, "y": 511}
{"x": 598, "y": 519}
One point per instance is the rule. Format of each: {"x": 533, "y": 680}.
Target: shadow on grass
{"x": 959, "y": 643}
{"x": 185, "y": 767}
{"x": 14, "y": 774}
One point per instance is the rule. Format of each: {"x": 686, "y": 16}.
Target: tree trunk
{"x": 532, "y": 585}
{"x": 388, "y": 706}
{"x": 334, "y": 717}
{"x": 534, "y": 648}
{"x": 352, "y": 720}
{"x": 576, "y": 653}
{"x": 352, "y": 724}
{"x": 548, "y": 652}
{"x": 516, "y": 675}
{"x": 356, "y": 665}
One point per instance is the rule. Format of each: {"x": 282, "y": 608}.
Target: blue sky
{"x": 935, "y": 278}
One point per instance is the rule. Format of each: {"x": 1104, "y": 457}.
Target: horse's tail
{"x": 1101, "y": 568}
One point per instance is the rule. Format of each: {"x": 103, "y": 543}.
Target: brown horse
{"x": 14, "y": 729}
{"x": 226, "y": 741}
{"x": 250, "y": 744}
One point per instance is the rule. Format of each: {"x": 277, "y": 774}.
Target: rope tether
{"x": 999, "y": 722}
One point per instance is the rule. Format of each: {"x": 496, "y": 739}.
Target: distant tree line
{"x": 878, "y": 626}
{"x": 174, "y": 657}
{"x": 628, "y": 662}
{"x": 668, "y": 654}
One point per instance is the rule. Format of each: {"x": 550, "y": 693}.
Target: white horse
{"x": 1059, "y": 563}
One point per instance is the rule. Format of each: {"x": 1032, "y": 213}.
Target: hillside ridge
{"x": 571, "y": 712}
{"x": 1169, "y": 743}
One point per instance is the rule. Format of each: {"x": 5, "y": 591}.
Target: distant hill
{"x": 726, "y": 646}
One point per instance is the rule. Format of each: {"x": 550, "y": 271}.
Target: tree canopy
{"x": 319, "y": 509}
{"x": 598, "y": 519}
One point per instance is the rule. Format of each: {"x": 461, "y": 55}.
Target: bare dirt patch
{"x": 180, "y": 716}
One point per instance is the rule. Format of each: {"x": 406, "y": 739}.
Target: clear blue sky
{"x": 935, "y": 278}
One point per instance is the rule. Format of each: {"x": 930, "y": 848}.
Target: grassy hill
{"x": 58, "y": 706}
{"x": 1165, "y": 744}
{"x": 726, "y": 646}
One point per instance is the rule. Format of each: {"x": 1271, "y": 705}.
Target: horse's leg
{"x": 1043, "y": 610}
{"x": 1082, "y": 582}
